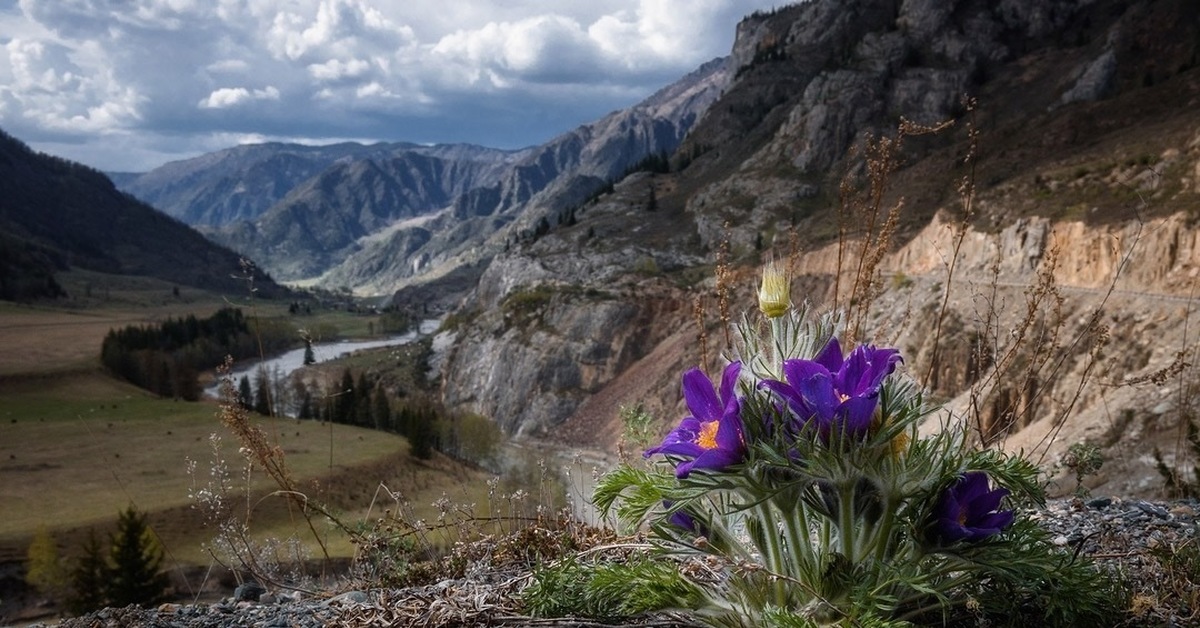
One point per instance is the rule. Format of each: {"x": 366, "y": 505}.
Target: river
{"x": 285, "y": 363}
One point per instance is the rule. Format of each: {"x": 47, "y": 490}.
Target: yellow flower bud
{"x": 773, "y": 297}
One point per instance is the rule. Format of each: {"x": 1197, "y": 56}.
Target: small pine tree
{"x": 306, "y": 406}
{"x": 244, "y": 393}
{"x": 134, "y": 577}
{"x": 381, "y": 410}
{"x": 46, "y": 571}
{"x": 88, "y": 578}
{"x": 362, "y": 400}
{"x": 262, "y": 393}
{"x": 421, "y": 436}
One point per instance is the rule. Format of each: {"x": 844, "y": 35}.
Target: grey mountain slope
{"x": 546, "y": 184}
{"x": 243, "y": 182}
{"x": 340, "y": 213}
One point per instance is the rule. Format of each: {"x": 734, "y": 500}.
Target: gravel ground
{"x": 1154, "y": 545}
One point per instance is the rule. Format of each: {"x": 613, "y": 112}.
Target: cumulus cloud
{"x": 233, "y": 96}
{"x": 505, "y": 74}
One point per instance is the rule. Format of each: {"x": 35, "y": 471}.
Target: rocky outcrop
{"x": 1068, "y": 303}
{"x": 538, "y": 347}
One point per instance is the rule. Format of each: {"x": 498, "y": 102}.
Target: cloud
{"x": 336, "y": 69}
{"x": 183, "y": 72}
{"x": 227, "y": 97}
{"x": 51, "y": 92}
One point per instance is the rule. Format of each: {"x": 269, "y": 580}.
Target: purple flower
{"x": 712, "y": 435}
{"x": 838, "y": 394}
{"x": 681, "y": 519}
{"x": 967, "y": 511}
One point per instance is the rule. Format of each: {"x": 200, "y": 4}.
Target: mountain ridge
{"x": 56, "y": 214}
{"x": 302, "y": 229}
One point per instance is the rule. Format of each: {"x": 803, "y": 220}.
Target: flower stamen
{"x": 707, "y": 439}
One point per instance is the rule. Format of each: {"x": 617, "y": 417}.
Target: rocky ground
{"x": 1153, "y": 546}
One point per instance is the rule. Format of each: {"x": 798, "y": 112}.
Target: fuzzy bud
{"x": 773, "y": 295}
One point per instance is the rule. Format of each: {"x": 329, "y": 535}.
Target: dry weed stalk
{"x": 865, "y": 229}
{"x": 966, "y": 197}
{"x": 701, "y": 329}
{"x": 724, "y": 272}
{"x": 258, "y": 452}
{"x": 1034, "y": 350}
{"x": 1019, "y": 355}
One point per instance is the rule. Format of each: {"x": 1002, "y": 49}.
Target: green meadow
{"x": 77, "y": 446}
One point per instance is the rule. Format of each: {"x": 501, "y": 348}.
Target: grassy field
{"x": 77, "y": 446}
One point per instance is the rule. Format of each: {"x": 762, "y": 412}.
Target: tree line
{"x": 167, "y": 358}
{"x": 364, "y": 400}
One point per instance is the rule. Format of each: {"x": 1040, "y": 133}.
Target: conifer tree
{"x": 88, "y": 578}
{"x": 421, "y": 436}
{"x": 306, "y": 406}
{"x": 134, "y": 577}
{"x": 244, "y": 393}
{"x": 262, "y": 393}
{"x": 381, "y": 410}
{"x": 362, "y": 400}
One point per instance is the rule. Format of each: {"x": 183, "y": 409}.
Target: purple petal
{"x": 985, "y": 503}
{"x": 790, "y": 395}
{"x": 729, "y": 383}
{"x": 818, "y": 391}
{"x": 996, "y": 521}
{"x": 865, "y": 369}
{"x": 700, "y": 396}
{"x": 951, "y": 530}
{"x": 855, "y": 414}
{"x": 729, "y": 435}
{"x": 831, "y": 356}
{"x": 679, "y": 441}
{"x": 680, "y": 448}
{"x": 714, "y": 459}
{"x": 966, "y": 510}
{"x": 681, "y": 519}
{"x": 796, "y": 371}
{"x": 971, "y": 486}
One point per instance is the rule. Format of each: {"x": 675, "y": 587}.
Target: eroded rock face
{"x": 539, "y": 347}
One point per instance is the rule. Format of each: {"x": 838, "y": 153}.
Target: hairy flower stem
{"x": 846, "y": 522}
{"x": 884, "y": 531}
{"x": 773, "y": 553}
{"x": 777, "y": 337}
{"x": 800, "y": 543}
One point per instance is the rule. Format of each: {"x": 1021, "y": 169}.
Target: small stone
{"x": 267, "y": 598}
{"x": 1183, "y": 510}
{"x": 1060, "y": 540}
{"x": 248, "y": 591}
{"x": 355, "y": 597}
{"x": 1151, "y": 509}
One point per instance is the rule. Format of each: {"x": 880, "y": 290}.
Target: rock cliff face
{"x": 1069, "y": 298}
